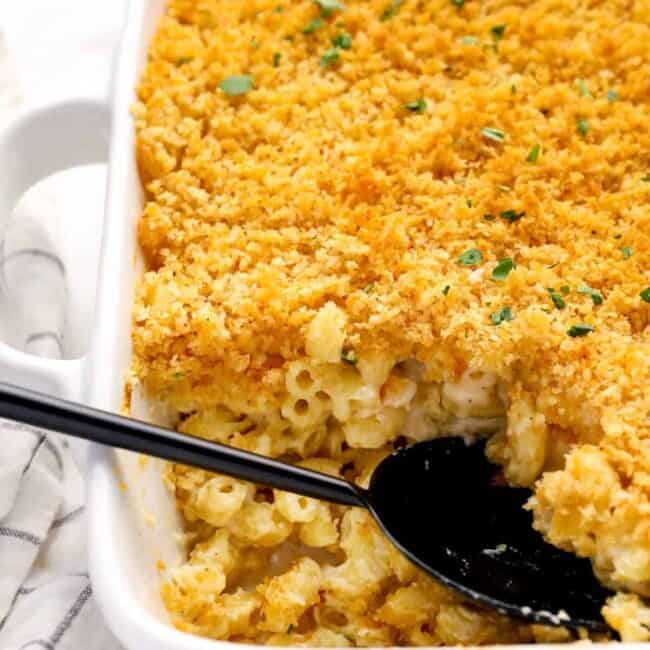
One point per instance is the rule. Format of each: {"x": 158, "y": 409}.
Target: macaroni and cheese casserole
{"x": 373, "y": 222}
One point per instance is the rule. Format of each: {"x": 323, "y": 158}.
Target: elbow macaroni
{"x": 339, "y": 581}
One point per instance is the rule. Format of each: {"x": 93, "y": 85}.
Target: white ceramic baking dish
{"x": 132, "y": 521}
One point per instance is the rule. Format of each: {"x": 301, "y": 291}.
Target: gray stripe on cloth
{"x": 37, "y": 446}
{"x": 34, "y": 252}
{"x": 70, "y": 516}
{"x": 73, "y": 612}
{"x": 20, "y": 534}
{"x": 37, "y": 643}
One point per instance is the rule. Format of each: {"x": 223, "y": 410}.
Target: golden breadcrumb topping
{"x": 466, "y": 184}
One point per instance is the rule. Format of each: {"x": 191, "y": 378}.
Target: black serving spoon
{"x": 438, "y": 501}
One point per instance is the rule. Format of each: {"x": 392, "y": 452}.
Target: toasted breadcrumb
{"x": 321, "y": 186}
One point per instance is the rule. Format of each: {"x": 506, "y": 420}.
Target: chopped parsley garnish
{"x": 391, "y": 9}
{"x": 582, "y": 88}
{"x": 327, "y": 7}
{"x": 236, "y": 84}
{"x": 468, "y": 202}
{"x": 290, "y": 628}
{"x": 418, "y": 106}
{"x": 445, "y": 291}
{"x": 470, "y": 40}
{"x": 534, "y": 154}
{"x": 596, "y": 296}
{"x": 581, "y": 329}
{"x": 498, "y": 31}
{"x": 329, "y": 57}
{"x": 185, "y": 59}
{"x": 458, "y": 3}
{"x": 513, "y": 89}
{"x": 501, "y": 315}
{"x": 311, "y": 27}
{"x": 369, "y": 288}
{"x": 645, "y": 294}
{"x": 612, "y": 96}
{"x": 493, "y": 134}
{"x": 583, "y": 126}
{"x": 489, "y": 216}
{"x": 497, "y": 34}
{"x": 503, "y": 268}
{"x": 557, "y": 299}
{"x": 179, "y": 375}
{"x": 565, "y": 289}
{"x": 342, "y": 41}
{"x": 627, "y": 252}
{"x": 349, "y": 356}
{"x": 276, "y": 59}
{"x": 512, "y": 215}
{"x": 278, "y": 10}
{"x": 646, "y": 179}
{"x": 471, "y": 257}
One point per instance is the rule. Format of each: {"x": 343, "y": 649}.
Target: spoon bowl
{"x": 442, "y": 505}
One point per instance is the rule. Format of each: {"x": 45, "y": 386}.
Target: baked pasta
{"x": 375, "y": 222}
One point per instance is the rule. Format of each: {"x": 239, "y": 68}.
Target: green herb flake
{"x": 581, "y": 329}
{"x": 565, "y": 289}
{"x": 534, "y": 154}
{"x": 513, "y": 89}
{"x": 276, "y": 59}
{"x": 255, "y": 44}
{"x": 329, "y": 57}
{"x": 501, "y": 315}
{"x": 557, "y": 299}
{"x": 503, "y": 268}
{"x": 471, "y": 257}
{"x": 369, "y": 288}
{"x": 391, "y": 9}
{"x": 512, "y": 215}
{"x": 290, "y": 628}
{"x": 468, "y": 203}
{"x": 493, "y": 134}
{"x": 489, "y": 216}
{"x": 342, "y": 41}
{"x": 278, "y": 10}
{"x": 627, "y": 252}
{"x": 237, "y": 84}
{"x": 596, "y": 296}
{"x": 646, "y": 179}
{"x": 645, "y": 294}
{"x": 612, "y": 96}
{"x": 185, "y": 59}
{"x": 445, "y": 291}
{"x": 328, "y": 7}
{"x": 582, "y": 126}
{"x": 179, "y": 375}
{"x": 311, "y": 27}
{"x": 470, "y": 40}
{"x": 458, "y": 3}
{"x": 582, "y": 88}
{"x": 418, "y": 106}
{"x": 497, "y": 32}
{"x": 349, "y": 356}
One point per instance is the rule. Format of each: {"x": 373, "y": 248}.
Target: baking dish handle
{"x": 39, "y": 143}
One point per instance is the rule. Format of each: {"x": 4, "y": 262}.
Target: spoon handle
{"x": 40, "y": 410}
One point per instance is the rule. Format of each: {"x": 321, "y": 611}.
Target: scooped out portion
{"x": 374, "y": 223}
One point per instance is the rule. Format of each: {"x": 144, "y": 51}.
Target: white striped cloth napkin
{"x": 45, "y": 592}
